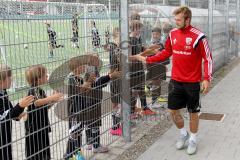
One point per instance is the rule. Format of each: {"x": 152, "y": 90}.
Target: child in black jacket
{"x": 156, "y": 71}
{"x": 88, "y": 109}
{"x": 75, "y": 88}
{"x": 92, "y": 107}
{"x": 37, "y": 126}
{"x": 137, "y": 73}
{"x": 115, "y": 85}
{"x": 8, "y": 112}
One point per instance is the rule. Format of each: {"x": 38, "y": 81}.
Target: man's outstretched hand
{"x": 138, "y": 57}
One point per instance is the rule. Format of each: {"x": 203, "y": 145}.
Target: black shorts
{"x": 183, "y": 94}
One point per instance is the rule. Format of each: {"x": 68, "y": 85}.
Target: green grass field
{"x": 15, "y": 34}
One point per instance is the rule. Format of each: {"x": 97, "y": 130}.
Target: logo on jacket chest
{"x": 188, "y": 43}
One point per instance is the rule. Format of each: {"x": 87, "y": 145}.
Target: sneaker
{"x": 155, "y": 105}
{"x": 89, "y": 147}
{"x": 181, "y": 141}
{"x": 158, "y": 106}
{"x": 117, "y": 132}
{"x": 154, "y": 87}
{"x": 162, "y": 99}
{"x": 100, "y": 149}
{"x": 192, "y": 147}
{"x": 148, "y": 111}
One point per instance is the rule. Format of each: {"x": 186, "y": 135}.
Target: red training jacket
{"x": 188, "y": 47}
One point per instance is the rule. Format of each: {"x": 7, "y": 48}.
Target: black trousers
{"x": 38, "y": 145}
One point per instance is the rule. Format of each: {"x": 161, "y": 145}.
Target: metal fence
{"x": 82, "y": 47}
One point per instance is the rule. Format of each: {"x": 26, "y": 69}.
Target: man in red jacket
{"x": 187, "y": 46}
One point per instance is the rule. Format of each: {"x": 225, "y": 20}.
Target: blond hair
{"x": 5, "y": 71}
{"x": 187, "y": 13}
{"x": 74, "y": 63}
{"x": 115, "y": 31}
{"x": 34, "y": 73}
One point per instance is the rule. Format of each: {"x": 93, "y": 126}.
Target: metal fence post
{"x": 183, "y": 2}
{"x": 238, "y": 27}
{"x": 125, "y": 70}
{"x": 85, "y": 28}
{"x": 109, "y": 7}
{"x": 210, "y": 22}
{"x": 164, "y": 2}
{"x": 226, "y": 55}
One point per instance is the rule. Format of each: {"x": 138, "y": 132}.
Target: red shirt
{"x": 188, "y": 47}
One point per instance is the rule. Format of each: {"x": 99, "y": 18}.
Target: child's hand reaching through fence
{"x": 26, "y": 101}
{"x": 137, "y": 57}
{"x": 91, "y": 79}
{"x": 115, "y": 74}
{"x": 86, "y": 87}
{"x": 56, "y": 97}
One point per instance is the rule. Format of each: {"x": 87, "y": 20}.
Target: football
{"x": 25, "y": 46}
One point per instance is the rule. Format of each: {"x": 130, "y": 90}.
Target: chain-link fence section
{"x": 47, "y": 39}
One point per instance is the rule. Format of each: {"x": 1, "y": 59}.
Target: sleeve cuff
{"x": 209, "y": 79}
{"x": 19, "y": 109}
{"x": 148, "y": 60}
